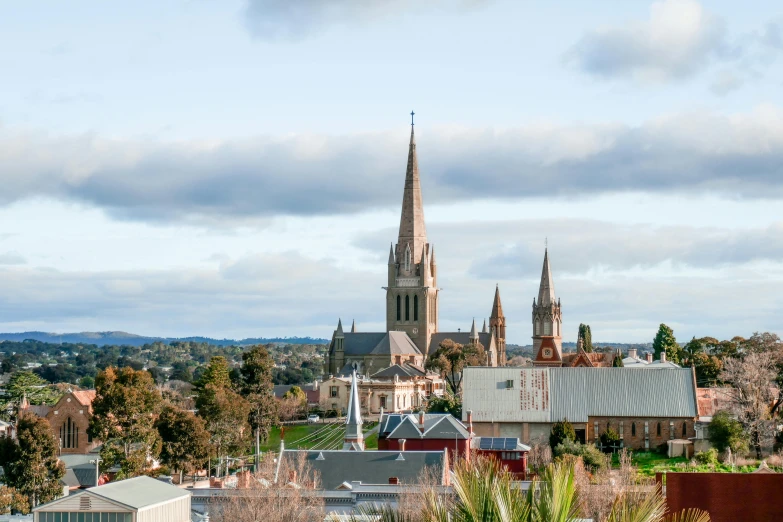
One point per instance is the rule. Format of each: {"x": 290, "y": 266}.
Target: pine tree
{"x": 33, "y": 468}
{"x": 586, "y": 337}
{"x": 617, "y": 362}
{"x": 665, "y": 342}
{"x": 258, "y": 389}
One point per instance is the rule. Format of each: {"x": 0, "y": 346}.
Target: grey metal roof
{"x": 139, "y": 492}
{"x": 458, "y": 337}
{"x": 436, "y": 426}
{"x": 377, "y": 343}
{"x": 577, "y": 393}
{"x": 369, "y": 467}
{"x": 402, "y": 370}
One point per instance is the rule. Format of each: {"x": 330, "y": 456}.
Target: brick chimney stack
{"x": 401, "y": 443}
{"x": 648, "y": 357}
{"x": 663, "y": 357}
{"x": 470, "y": 421}
{"x": 421, "y": 421}
{"x": 632, "y": 353}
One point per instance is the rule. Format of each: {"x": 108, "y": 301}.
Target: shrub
{"x": 591, "y": 456}
{"x": 727, "y": 433}
{"x": 709, "y": 457}
{"x": 610, "y": 440}
{"x": 561, "y": 432}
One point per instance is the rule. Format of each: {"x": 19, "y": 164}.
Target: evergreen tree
{"x": 561, "y": 431}
{"x": 216, "y": 373}
{"x": 257, "y": 388}
{"x": 665, "y": 342}
{"x": 123, "y": 412}
{"x": 32, "y": 467}
{"x": 185, "y": 440}
{"x": 617, "y": 362}
{"x": 225, "y": 414}
{"x": 586, "y": 337}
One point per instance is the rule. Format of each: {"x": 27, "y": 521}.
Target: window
{"x": 684, "y": 430}
{"x": 407, "y": 308}
{"x": 509, "y": 455}
{"x": 69, "y": 434}
{"x": 658, "y": 430}
{"x": 415, "y": 307}
{"x": 399, "y": 308}
{"x": 509, "y": 384}
{"x": 538, "y": 327}
{"x": 633, "y": 429}
{"x": 547, "y": 327}
{"x": 383, "y": 401}
{"x": 408, "y": 258}
{"x": 333, "y": 391}
{"x": 397, "y": 359}
{"x": 61, "y": 516}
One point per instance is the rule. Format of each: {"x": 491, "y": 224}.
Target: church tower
{"x": 497, "y": 322}
{"x": 547, "y": 321}
{"x": 412, "y": 293}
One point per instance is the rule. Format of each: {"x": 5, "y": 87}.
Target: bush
{"x": 610, "y": 440}
{"x": 592, "y": 457}
{"x": 561, "y": 432}
{"x": 709, "y": 457}
{"x": 726, "y": 433}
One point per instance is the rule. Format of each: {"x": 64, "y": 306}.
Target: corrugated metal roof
{"x": 618, "y": 392}
{"x": 139, "y": 492}
{"x": 541, "y": 395}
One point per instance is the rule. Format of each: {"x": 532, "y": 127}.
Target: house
{"x": 424, "y": 432}
{"x": 69, "y": 420}
{"x": 139, "y": 499}
{"x": 400, "y": 387}
{"x": 310, "y": 389}
{"x": 646, "y": 408}
{"x": 511, "y": 453}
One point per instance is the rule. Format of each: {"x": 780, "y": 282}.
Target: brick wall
{"x": 728, "y": 497}
{"x": 69, "y": 408}
{"x": 670, "y": 428}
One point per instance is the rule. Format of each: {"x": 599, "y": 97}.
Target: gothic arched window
{"x": 399, "y": 308}
{"x": 415, "y": 307}
{"x": 407, "y": 308}
{"x": 69, "y": 434}
{"x": 538, "y": 327}
{"x": 408, "y": 258}
{"x": 547, "y": 327}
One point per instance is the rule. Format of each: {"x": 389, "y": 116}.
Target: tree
{"x": 449, "y": 403}
{"x": 11, "y": 499}
{"x": 752, "y": 391}
{"x": 225, "y": 413}
{"x": 185, "y": 440}
{"x": 586, "y": 337}
{"x": 665, "y": 342}
{"x": 33, "y": 468}
{"x": 617, "y": 361}
{"x": 126, "y": 401}
{"x": 451, "y": 358}
{"x": 561, "y": 431}
{"x": 257, "y": 388}
{"x": 216, "y": 373}
{"x": 34, "y": 388}
{"x": 726, "y": 432}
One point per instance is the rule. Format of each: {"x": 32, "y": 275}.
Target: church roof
{"x": 412, "y": 228}
{"x": 369, "y": 467}
{"x": 379, "y": 343}
{"x": 546, "y": 289}
{"x": 458, "y": 337}
{"x": 85, "y": 397}
{"x": 401, "y": 370}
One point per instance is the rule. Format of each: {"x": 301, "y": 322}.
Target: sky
{"x": 235, "y": 169}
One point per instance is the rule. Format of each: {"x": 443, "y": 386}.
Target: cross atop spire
{"x": 412, "y": 113}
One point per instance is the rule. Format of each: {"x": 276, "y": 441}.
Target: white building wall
{"x": 506, "y": 394}
{"x": 174, "y": 511}
{"x": 74, "y": 503}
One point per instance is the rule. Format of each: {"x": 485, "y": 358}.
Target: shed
{"x": 139, "y": 499}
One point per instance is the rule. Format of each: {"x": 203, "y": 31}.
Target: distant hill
{"x": 120, "y": 338}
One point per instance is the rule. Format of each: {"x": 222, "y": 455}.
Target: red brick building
{"x": 69, "y": 420}
{"x": 424, "y": 432}
{"x": 511, "y": 453}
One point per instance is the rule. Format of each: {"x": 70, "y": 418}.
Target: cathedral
{"x": 412, "y": 296}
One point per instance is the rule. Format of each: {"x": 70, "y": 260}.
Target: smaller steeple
{"x": 354, "y": 438}
{"x": 546, "y": 290}
{"x": 474, "y": 337}
{"x": 484, "y": 327}
{"x": 391, "y": 254}
{"x": 339, "y": 332}
{"x": 353, "y": 326}
{"x": 425, "y": 268}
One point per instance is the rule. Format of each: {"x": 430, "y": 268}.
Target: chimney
{"x": 632, "y": 353}
{"x": 648, "y": 357}
{"x": 470, "y": 421}
{"x": 401, "y": 444}
{"x": 394, "y": 481}
{"x": 663, "y": 357}
{"x": 421, "y": 421}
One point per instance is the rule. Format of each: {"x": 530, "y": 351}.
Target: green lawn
{"x": 650, "y": 463}
{"x": 314, "y": 436}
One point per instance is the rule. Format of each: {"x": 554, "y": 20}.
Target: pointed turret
{"x": 412, "y": 229}
{"x": 391, "y": 254}
{"x": 354, "y": 438}
{"x": 546, "y": 290}
{"x": 474, "y": 337}
{"x": 497, "y": 321}
{"x": 497, "y": 307}
{"x": 433, "y": 266}
{"x": 425, "y": 268}
{"x": 353, "y": 326}
{"x": 339, "y": 331}
{"x": 484, "y": 327}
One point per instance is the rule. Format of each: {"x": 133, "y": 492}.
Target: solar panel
{"x": 498, "y": 443}
{"x": 511, "y": 444}
{"x": 485, "y": 443}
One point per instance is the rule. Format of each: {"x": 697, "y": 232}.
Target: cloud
{"x": 679, "y": 38}
{"x": 231, "y": 181}
{"x": 726, "y": 81}
{"x": 12, "y": 258}
{"x": 295, "y": 20}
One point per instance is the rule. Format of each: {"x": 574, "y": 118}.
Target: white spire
{"x": 354, "y": 438}
{"x": 473, "y": 332}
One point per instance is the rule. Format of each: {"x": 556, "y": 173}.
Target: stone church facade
{"x": 412, "y": 301}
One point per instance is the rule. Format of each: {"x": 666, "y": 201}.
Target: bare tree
{"x": 752, "y": 393}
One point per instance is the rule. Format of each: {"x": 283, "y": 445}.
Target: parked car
{"x": 313, "y": 418}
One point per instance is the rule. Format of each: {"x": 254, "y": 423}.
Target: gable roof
{"x": 85, "y": 397}
{"x": 400, "y": 370}
{"x": 436, "y": 426}
{"x": 377, "y": 343}
{"x": 139, "y": 492}
{"x": 369, "y": 467}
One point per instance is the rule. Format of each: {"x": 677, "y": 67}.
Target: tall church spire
{"x": 546, "y": 290}
{"x": 354, "y": 438}
{"x": 412, "y": 229}
{"x": 497, "y": 321}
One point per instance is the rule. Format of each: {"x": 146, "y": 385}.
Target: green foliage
{"x": 449, "y": 403}
{"x": 11, "y": 499}
{"x": 32, "y": 466}
{"x": 217, "y": 373}
{"x": 185, "y": 440}
{"x": 125, "y": 403}
{"x": 225, "y": 413}
{"x": 561, "y": 431}
{"x": 586, "y": 337}
{"x": 591, "y": 456}
{"x": 709, "y": 457}
{"x": 617, "y": 362}
{"x": 34, "y": 388}
{"x": 258, "y": 390}
{"x": 451, "y": 358}
{"x": 665, "y": 342}
{"x": 610, "y": 440}
{"x": 295, "y": 393}
{"x": 726, "y": 432}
